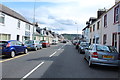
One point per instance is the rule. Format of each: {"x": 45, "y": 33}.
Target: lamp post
{"x": 77, "y": 30}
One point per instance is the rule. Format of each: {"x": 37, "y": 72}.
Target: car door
{"x": 89, "y": 51}
{"x": 20, "y": 47}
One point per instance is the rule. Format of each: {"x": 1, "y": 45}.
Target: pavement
{"x": 57, "y": 61}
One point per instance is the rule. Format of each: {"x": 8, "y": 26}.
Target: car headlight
{"x": 81, "y": 47}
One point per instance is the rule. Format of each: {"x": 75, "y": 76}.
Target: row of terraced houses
{"x": 105, "y": 29}
{"x": 14, "y": 26}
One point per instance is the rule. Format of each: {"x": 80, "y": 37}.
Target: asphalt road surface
{"x": 57, "y": 61}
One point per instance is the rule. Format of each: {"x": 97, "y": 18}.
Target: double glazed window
{"x": 2, "y": 18}
{"x": 105, "y": 20}
{"x": 4, "y": 36}
{"x": 116, "y": 14}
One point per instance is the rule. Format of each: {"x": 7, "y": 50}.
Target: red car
{"x": 45, "y": 44}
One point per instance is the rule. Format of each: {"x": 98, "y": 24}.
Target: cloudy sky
{"x": 62, "y": 16}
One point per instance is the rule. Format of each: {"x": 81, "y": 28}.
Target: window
{"x": 2, "y": 18}
{"x": 105, "y": 20}
{"x": 98, "y": 25}
{"x": 94, "y": 27}
{"x": 4, "y": 36}
{"x": 18, "y": 23}
{"x": 104, "y": 39}
{"x": 116, "y": 14}
{"x": 27, "y": 26}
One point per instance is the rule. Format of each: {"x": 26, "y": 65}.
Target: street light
{"x": 77, "y": 30}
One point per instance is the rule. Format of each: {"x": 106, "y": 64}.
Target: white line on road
{"x": 59, "y": 49}
{"x": 32, "y": 71}
{"x": 53, "y": 54}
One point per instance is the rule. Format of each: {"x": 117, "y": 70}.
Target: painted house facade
{"x": 13, "y": 26}
{"x": 106, "y": 28}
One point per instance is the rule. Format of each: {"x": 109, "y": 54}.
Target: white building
{"x": 106, "y": 28}
{"x": 13, "y": 26}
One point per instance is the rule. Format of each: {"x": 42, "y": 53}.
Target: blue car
{"x": 12, "y": 47}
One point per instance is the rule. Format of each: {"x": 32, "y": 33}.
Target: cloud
{"x": 63, "y": 14}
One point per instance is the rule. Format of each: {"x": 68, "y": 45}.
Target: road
{"x": 57, "y": 61}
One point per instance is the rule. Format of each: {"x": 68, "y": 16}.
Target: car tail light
{"x": 8, "y": 45}
{"x": 95, "y": 55}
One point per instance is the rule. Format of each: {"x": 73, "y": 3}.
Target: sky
{"x": 61, "y": 16}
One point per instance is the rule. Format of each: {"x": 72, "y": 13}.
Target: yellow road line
{"x": 13, "y": 58}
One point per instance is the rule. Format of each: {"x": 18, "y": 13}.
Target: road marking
{"x": 32, "y": 71}
{"x": 53, "y": 54}
{"x": 59, "y": 49}
{"x": 14, "y": 57}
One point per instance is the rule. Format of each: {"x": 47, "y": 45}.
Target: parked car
{"x": 77, "y": 44}
{"x": 102, "y": 55}
{"x": 74, "y": 42}
{"x": 45, "y": 43}
{"x": 64, "y": 41}
{"x": 54, "y": 42}
{"x": 83, "y": 46}
{"x": 12, "y": 47}
{"x": 33, "y": 44}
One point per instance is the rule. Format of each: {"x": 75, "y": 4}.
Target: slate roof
{"x": 12, "y": 13}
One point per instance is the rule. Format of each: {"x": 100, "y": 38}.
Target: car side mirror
{"x": 22, "y": 44}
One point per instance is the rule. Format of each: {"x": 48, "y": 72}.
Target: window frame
{"x": 105, "y": 20}
{"x": 116, "y": 10}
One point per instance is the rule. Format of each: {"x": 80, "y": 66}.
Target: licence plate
{"x": 108, "y": 57}
{"x": 28, "y": 47}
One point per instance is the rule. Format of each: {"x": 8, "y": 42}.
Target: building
{"x": 105, "y": 29}
{"x": 13, "y": 26}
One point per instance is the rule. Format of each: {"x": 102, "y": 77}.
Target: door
{"x": 119, "y": 43}
{"x": 19, "y": 46}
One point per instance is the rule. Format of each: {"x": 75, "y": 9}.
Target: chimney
{"x": 116, "y": 1}
{"x": 100, "y": 12}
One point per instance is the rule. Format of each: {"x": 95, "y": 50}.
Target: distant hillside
{"x": 71, "y": 36}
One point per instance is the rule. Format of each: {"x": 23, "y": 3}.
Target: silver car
{"x": 102, "y": 55}
{"x": 33, "y": 44}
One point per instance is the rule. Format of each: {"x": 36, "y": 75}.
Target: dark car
{"x": 102, "y": 55}
{"x": 82, "y": 47}
{"x": 64, "y": 41}
{"x": 77, "y": 44}
{"x": 12, "y": 47}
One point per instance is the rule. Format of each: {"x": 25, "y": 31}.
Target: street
{"x": 57, "y": 61}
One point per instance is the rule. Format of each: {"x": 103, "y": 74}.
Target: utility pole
{"x": 34, "y": 19}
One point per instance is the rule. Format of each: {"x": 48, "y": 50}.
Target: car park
{"x": 102, "y": 55}
{"x": 12, "y": 47}
{"x": 82, "y": 47}
{"x": 33, "y": 44}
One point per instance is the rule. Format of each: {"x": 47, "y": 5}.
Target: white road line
{"x": 53, "y": 54}
{"x": 59, "y": 49}
{"x": 32, "y": 71}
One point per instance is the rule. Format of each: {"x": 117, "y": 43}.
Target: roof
{"x": 12, "y": 13}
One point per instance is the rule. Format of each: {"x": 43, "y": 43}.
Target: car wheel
{"x": 90, "y": 63}
{"x": 25, "y": 51}
{"x": 36, "y": 48}
{"x": 12, "y": 55}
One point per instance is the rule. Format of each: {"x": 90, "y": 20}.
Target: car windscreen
{"x": 105, "y": 48}
{"x": 29, "y": 42}
{"x": 3, "y": 43}
{"x": 84, "y": 44}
